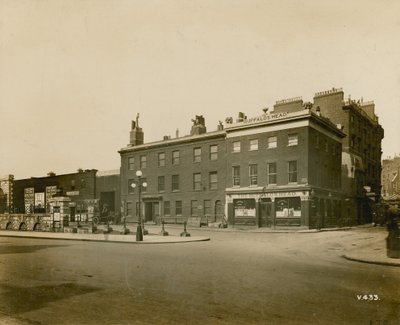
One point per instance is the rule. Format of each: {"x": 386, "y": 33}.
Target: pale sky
{"x": 73, "y": 74}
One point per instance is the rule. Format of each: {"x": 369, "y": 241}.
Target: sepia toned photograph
{"x": 199, "y": 162}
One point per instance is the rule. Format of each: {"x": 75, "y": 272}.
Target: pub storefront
{"x": 297, "y": 208}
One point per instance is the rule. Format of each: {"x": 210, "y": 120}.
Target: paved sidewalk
{"x": 373, "y": 251}
{"x": 152, "y": 238}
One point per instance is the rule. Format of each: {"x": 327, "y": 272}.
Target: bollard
{"x": 393, "y": 240}
{"x": 184, "y": 233}
{"x": 163, "y": 232}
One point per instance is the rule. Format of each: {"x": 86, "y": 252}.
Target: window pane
{"x": 193, "y": 208}
{"x": 213, "y": 152}
{"x": 175, "y": 157}
{"x": 161, "y": 183}
{"x": 178, "y": 208}
{"x": 213, "y": 180}
{"x": 161, "y": 159}
{"x": 197, "y": 155}
{"x": 175, "y": 182}
{"x": 236, "y": 175}
{"x": 272, "y": 173}
{"x": 292, "y": 171}
{"x": 254, "y": 144}
{"x": 253, "y": 174}
{"x": 197, "y": 182}
{"x": 292, "y": 140}
{"x": 272, "y": 142}
{"x": 131, "y": 163}
{"x": 236, "y": 146}
{"x": 167, "y": 208}
{"x": 143, "y": 161}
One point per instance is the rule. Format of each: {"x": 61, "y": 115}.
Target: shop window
{"x": 244, "y": 208}
{"x": 288, "y": 207}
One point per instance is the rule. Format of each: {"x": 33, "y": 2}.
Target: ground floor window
{"x": 245, "y": 208}
{"x": 288, "y": 207}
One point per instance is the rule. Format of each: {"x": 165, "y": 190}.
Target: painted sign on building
{"x": 39, "y": 200}
{"x": 29, "y": 199}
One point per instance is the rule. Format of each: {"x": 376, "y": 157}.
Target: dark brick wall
{"x": 83, "y": 182}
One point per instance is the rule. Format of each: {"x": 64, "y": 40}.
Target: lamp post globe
{"x": 139, "y": 173}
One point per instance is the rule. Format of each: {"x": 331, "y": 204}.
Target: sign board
{"x": 194, "y": 221}
{"x": 72, "y": 193}
{"x": 39, "y": 200}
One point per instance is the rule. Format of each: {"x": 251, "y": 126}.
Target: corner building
{"x": 276, "y": 169}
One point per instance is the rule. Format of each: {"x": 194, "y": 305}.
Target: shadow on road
{"x": 15, "y": 249}
{"x": 16, "y": 300}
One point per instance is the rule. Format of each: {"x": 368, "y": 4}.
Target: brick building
{"x": 362, "y": 150}
{"x": 84, "y": 188}
{"x": 391, "y": 178}
{"x": 279, "y": 168}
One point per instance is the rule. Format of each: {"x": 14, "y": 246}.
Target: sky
{"x": 74, "y": 73}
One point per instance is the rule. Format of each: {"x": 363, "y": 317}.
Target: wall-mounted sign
{"x": 50, "y": 192}
{"x": 39, "y": 200}
{"x": 72, "y": 193}
{"x": 265, "y": 117}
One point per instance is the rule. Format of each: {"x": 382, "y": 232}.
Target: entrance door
{"x": 151, "y": 211}
{"x": 265, "y": 213}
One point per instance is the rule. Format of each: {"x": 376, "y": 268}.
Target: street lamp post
{"x": 139, "y": 184}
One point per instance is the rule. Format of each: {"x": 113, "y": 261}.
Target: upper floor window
{"x": 293, "y": 139}
{"x": 272, "y": 142}
{"x": 143, "y": 162}
{"x": 236, "y": 175}
{"x": 213, "y": 180}
{"x": 175, "y": 183}
{"x": 131, "y": 163}
{"x": 197, "y": 155}
{"x": 254, "y": 144}
{"x": 175, "y": 157}
{"x": 214, "y": 152}
{"x": 161, "y": 159}
{"x": 292, "y": 171}
{"x": 253, "y": 174}
{"x": 236, "y": 146}
{"x": 197, "y": 181}
{"x": 161, "y": 183}
{"x": 271, "y": 173}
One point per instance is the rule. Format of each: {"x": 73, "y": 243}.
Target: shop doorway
{"x": 266, "y": 217}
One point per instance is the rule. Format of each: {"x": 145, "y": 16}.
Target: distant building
{"x": 277, "y": 169}
{"x": 391, "y": 178}
{"x": 85, "y": 188}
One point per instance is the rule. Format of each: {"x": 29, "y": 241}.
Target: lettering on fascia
{"x": 265, "y": 117}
